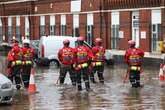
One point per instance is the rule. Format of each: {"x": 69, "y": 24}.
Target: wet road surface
{"x": 113, "y": 95}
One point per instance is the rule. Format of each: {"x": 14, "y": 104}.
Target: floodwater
{"x": 113, "y": 95}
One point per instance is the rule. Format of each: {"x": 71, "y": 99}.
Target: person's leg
{"x": 63, "y": 72}
{"x": 17, "y": 73}
{"x": 86, "y": 78}
{"x": 138, "y": 79}
{"x": 92, "y": 75}
{"x": 26, "y": 74}
{"x": 78, "y": 74}
{"x": 132, "y": 78}
{"x": 72, "y": 76}
{"x": 100, "y": 71}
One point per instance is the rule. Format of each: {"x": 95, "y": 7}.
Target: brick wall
{"x": 102, "y": 22}
{"x": 145, "y": 21}
{"x": 125, "y": 26}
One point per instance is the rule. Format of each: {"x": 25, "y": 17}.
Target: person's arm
{"x": 126, "y": 57}
{"x": 90, "y": 53}
{"x": 59, "y": 55}
{"x": 32, "y": 53}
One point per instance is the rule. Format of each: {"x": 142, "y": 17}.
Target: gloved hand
{"x": 89, "y": 62}
{"x": 9, "y": 72}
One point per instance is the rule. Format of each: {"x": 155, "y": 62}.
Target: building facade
{"x": 116, "y": 21}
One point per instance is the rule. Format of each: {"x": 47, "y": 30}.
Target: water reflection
{"x": 114, "y": 95}
{"x": 133, "y": 99}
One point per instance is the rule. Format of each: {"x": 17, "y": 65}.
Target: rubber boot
{"x": 92, "y": 80}
{"x": 79, "y": 88}
{"x": 87, "y": 86}
{"x": 61, "y": 80}
{"x": 102, "y": 81}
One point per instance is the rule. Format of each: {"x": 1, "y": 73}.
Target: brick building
{"x": 116, "y": 21}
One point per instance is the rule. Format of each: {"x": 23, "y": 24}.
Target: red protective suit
{"x": 15, "y": 53}
{"x": 28, "y": 53}
{"x": 134, "y": 56}
{"x": 66, "y": 55}
{"x": 99, "y": 53}
{"x": 82, "y": 54}
{"x": 14, "y": 65}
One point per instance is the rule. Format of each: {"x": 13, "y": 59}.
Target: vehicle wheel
{"x": 42, "y": 62}
{"x": 54, "y": 63}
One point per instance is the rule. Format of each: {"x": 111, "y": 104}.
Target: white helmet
{"x": 26, "y": 41}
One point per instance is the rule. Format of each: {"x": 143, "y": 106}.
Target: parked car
{"x": 6, "y": 90}
{"x": 50, "y": 45}
{"x": 4, "y": 46}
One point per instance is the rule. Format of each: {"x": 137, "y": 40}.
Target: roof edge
{"x": 16, "y": 1}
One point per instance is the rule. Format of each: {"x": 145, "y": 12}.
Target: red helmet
{"x": 131, "y": 42}
{"x": 66, "y": 41}
{"x": 98, "y": 40}
{"x": 80, "y": 38}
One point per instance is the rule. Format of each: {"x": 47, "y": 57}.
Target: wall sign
{"x": 143, "y": 34}
{"x": 121, "y": 34}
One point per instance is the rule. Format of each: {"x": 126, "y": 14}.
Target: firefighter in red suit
{"x": 83, "y": 56}
{"x": 14, "y": 58}
{"x": 27, "y": 62}
{"x": 66, "y": 58}
{"x": 134, "y": 58}
{"x": 98, "y": 60}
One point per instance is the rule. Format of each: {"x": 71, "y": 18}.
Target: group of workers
{"x": 20, "y": 62}
{"x": 83, "y": 62}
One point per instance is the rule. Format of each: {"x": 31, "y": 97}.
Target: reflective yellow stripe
{"x": 97, "y": 63}
{"x": 17, "y": 62}
{"x": 135, "y": 68}
{"x": 27, "y": 62}
{"x": 13, "y": 63}
{"x": 84, "y": 65}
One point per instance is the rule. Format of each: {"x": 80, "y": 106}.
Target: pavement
{"x": 154, "y": 58}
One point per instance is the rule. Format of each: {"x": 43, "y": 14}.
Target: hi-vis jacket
{"x": 99, "y": 53}
{"x": 134, "y": 56}
{"x": 82, "y": 54}
{"x": 66, "y": 55}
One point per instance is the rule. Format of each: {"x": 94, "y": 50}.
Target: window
{"x": 27, "y": 25}
{"x": 52, "y": 30}
{"x": 90, "y": 29}
{"x": 76, "y": 25}
{"x": 18, "y": 34}
{"x": 156, "y": 29}
{"x": 1, "y": 32}
{"x": 63, "y": 29}
{"x": 63, "y": 24}
{"x": 52, "y": 25}
{"x": 76, "y": 32}
{"x": 114, "y": 30}
{"x": 9, "y": 29}
{"x": 135, "y": 27}
{"x": 76, "y": 6}
{"x": 42, "y": 25}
